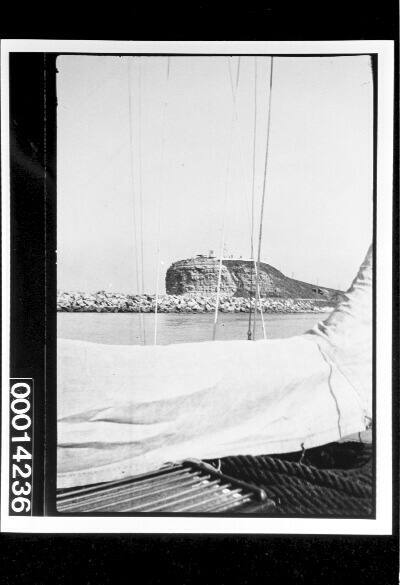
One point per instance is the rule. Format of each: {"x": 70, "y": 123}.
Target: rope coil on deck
{"x": 345, "y": 489}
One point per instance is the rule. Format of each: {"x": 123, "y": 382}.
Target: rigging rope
{"x": 160, "y": 200}
{"x": 331, "y": 391}
{"x": 263, "y": 201}
{"x": 133, "y": 185}
{"x": 260, "y": 306}
{"x": 141, "y": 194}
{"x": 252, "y": 194}
{"x": 311, "y": 487}
{"x": 242, "y": 170}
{"x": 228, "y": 165}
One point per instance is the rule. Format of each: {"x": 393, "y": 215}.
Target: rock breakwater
{"x": 106, "y": 302}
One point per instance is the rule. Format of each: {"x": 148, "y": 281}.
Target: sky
{"x": 155, "y": 157}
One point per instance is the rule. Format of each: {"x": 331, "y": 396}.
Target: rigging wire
{"x": 160, "y": 201}
{"x": 263, "y": 205}
{"x": 259, "y": 304}
{"x": 142, "y": 289}
{"x": 237, "y": 74}
{"x": 242, "y": 170}
{"x": 133, "y": 185}
{"x": 249, "y": 334}
{"x": 228, "y": 166}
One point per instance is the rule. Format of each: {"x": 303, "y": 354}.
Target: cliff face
{"x": 200, "y": 274}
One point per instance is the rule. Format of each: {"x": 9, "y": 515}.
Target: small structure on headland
{"x": 238, "y": 278}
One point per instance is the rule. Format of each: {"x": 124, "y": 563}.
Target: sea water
{"x": 136, "y": 329}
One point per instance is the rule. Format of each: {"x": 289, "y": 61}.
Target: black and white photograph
{"x": 214, "y": 267}
{"x": 221, "y": 214}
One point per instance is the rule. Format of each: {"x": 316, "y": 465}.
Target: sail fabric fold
{"x": 124, "y": 410}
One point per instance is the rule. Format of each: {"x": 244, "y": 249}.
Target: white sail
{"x": 124, "y": 410}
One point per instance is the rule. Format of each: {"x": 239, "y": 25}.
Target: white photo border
{"x": 382, "y": 523}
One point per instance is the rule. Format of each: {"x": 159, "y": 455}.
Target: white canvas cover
{"x": 124, "y": 410}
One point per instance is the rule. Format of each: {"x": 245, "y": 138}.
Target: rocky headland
{"x": 238, "y": 277}
{"x": 191, "y": 286}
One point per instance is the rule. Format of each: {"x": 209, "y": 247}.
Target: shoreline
{"x": 105, "y": 302}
